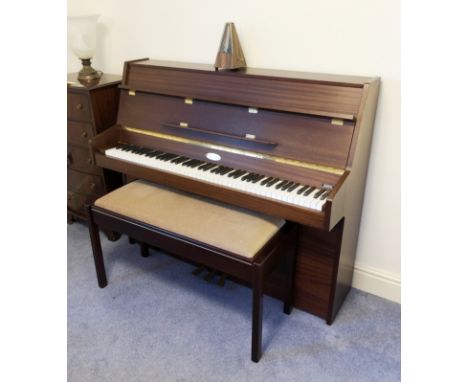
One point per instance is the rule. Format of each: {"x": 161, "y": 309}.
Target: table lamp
{"x": 82, "y": 31}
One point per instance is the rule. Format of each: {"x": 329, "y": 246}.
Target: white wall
{"x": 359, "y": 37}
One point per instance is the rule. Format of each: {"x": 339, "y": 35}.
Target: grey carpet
{"x": 157, "y": 322}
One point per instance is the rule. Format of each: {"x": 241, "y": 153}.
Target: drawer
{"x": 79, "y": 158}
{"x": 85, "y": 183}
{"x": 78, "y": 107}
{"x": 79, "y": 133}
{"x": 76, "y": 202}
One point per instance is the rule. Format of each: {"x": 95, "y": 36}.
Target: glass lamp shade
{"x": 82, "y": 35}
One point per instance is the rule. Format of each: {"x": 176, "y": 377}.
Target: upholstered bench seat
{"x": 243, "y": 244}
{"x": 233, "y": 229}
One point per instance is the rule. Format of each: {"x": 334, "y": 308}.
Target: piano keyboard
{"x": 302, "y": 195}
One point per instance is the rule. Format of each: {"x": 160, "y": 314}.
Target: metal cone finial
{"x": 230, "y": 55}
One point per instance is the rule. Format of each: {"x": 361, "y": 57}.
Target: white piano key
{"x": 309, "y": 201}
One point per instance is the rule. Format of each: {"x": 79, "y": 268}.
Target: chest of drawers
{"x": 90, "y": 110}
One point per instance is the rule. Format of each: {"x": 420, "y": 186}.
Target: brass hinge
{"x": 188, "y": 101}
{"x": 131, "y": 92}
{"x": 253, "y": 110}
{"x": 183, "y": 124}
{"x": 337, "y": 121}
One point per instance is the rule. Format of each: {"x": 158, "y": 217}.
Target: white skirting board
{"x": 383, "y": 284}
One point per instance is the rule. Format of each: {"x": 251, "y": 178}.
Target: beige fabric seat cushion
{"x": 226, "y": 227}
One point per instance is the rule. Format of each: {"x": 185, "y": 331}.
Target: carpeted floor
{"x": 157, "y": 322}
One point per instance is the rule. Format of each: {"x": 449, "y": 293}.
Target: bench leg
{"x": 144, "y": 251}
{"x": 257, "y": 314}
{"x": 97, "y": 250}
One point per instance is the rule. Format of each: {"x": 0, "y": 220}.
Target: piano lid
{"x": 324, "y": 95}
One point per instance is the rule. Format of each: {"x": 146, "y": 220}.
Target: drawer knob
{"x": 69, "y": 159}
{"x": 92, "y": 186}
{"x": 79, "y": 106}
{"x": 84, "y": 134}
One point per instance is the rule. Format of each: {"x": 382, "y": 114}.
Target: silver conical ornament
{"x": 230, "y": 55}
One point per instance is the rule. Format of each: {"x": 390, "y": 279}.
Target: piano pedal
{"x": 210, "y": 275}
{"x": 199, "y": 270}
{"x": 222, "y": 280}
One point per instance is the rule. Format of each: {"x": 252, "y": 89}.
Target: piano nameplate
{"x": 247, "y": 153}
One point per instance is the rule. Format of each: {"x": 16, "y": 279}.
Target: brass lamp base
{"x": 88, "y": 73}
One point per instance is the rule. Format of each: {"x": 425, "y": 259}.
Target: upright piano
{"x": 289, "y": 144}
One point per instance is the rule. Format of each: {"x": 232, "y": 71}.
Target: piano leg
{"x": 144, "y": 250}
{"x": 97, "y": 250}
{"x": 290, "y": 267}
{"x": 112, "y": 236}
{"x": 257, "y": 313}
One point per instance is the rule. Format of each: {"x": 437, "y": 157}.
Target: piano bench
{"x": 241, "y": 243}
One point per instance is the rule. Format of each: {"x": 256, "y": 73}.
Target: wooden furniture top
{"x": 332, "y": 79}
{"x": 105, "y": 80}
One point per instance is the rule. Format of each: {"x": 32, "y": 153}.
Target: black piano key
{"x": 172, "y": 156}
{"x": 204, "y": 166}
{"x": 181, "y": 162}
{"x": 147, "y": 151}
{"x": 302, "y": 189}
{"x": 234, "y": 173}
{"x": 135, "y": 149}
{"x": 307, "y": 193}
{"x": 215, "y": 168}
{"x": 200, "y": 165}
{"x": 293, "y": 187}
{"x": 210, "y": 166}
{"x": 281, "y": 184}
{"x": 320, "y": 193}
{"x": 266, "y": 180}
{"x": 239, "y": 174}
{"x": 286, "y": 186}
{"x": 324, "y": 196}
{"x": 272, "y": 182}
{"x": 258, "y": 178}
{"x": 179, "y": 159}
{"x": 248, "y": 175}
{"x": 227, "y": 170}
{"x": 154, "y": 153}
{"x": 196, "y": 163}
{"x": 162, "y": 155}
{"x": 188, "y": 163}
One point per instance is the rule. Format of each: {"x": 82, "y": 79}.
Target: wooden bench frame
{"x": 253, "y": 271}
